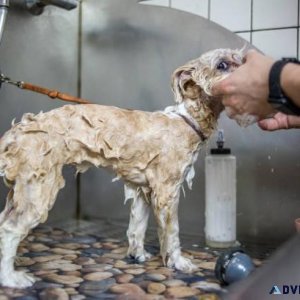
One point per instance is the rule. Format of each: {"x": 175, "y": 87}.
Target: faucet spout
{"x": 4, "y": 4}
{"x": 36, "y": 7}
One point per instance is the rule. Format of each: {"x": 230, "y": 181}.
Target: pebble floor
{"x": 74, "y": 261}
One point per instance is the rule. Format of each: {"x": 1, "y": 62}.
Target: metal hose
{"x": 4, "y": 4}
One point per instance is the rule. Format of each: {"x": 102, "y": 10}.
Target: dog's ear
{"x": 183, "y": 85}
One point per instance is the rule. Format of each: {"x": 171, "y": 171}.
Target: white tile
{"x": 245, "y": 35}
{"x": 156, "y": 2}
{"x": 274, "y": 13}
{"x": 276, "y": 43}
{"x": 232, "y": 14}
{"x": 299, "y": 46}
{"x": 198, "y": 7}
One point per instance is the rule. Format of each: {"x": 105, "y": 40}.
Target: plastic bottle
{"x": 220, "y": 196}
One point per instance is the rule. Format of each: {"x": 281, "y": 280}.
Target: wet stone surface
{"x": 77, "y": 266}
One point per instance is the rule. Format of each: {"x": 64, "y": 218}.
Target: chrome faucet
{"x": 4, "y": 4}
{"x": 36, "y": 7}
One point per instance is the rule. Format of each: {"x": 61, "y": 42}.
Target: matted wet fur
{"x": 152, "y": 152}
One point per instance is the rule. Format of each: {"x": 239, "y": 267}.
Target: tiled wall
{"x": 270, "y": 25}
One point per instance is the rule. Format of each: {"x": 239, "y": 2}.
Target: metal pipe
{"x": 36, "y": 7}
{"x": 4, "y": 4}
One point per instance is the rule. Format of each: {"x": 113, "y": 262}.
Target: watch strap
{"x": 277, "y": 97}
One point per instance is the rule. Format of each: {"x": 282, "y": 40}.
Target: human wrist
{"x": 289, "y": 81}
{"x": 284, "y": 87}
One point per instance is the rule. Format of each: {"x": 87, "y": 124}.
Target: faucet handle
{"x": 36, "y": 7}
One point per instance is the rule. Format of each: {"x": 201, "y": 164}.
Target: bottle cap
{"x": 220, "y": 144}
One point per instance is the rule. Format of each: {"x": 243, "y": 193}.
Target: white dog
{"x": 153, "y": 152}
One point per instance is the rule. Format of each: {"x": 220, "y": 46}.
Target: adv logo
{"x": 286, "y": 289}
{"x": 275, "y": 290}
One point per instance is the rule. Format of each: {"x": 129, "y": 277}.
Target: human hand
{"x": 246, "y": 90}
{"x": 280, "y": 121}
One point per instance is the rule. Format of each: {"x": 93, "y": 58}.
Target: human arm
{"x": 246, "y": 91}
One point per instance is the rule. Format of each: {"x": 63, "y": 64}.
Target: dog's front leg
{"x": 166, "y": 213}
{"x": 9, "y": 277}
{"x": 139, "y": 216}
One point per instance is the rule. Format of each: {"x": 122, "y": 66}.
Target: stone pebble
{"x": 97, "y": 276}
{"x": 62, "y": 265}
{"x": 206, "y": 286}
{"x": 96, "y": 268}
{"x": 153, "y": 264}
{"x": 110, "y": 246}
{"x": 41, "y": 285}
{"x": 70, "y": 257}
{"x": 84, "y": 261}
{"x": 121, "y": 250}
{"x": 72, "y": 273}
{"x": 156, "y": 288}
{"x": 163, "y": 271}
{"x": 199, "y": 254}
{"x": 42, "y": 229}
{"x": 54, "y": 293}
{"x": 97, "y": 245}
{"x": 155, "y": 277}
{"x": 81, "y": 239}
{"x": 71, "y": 291}
{"x": 72, "y": 246}
{"x": 24, "y": 261}
{"x": 208, "y": 297}
{"x": 37, "y": 247}
{"x": 104, "y": 260}
{"x": 47, "y": 258}
{"x": 41, "y": 273}
{"x": 208, "y": 265}
{"x": 77, "y": 297}
{"x": 124, "y": 278}
{"x": 63, "y": 251}
{"x": 174, "y": 282}
{"x": 114, "y": 255}
{"x": 181, "y": 292}
{"x": 129, "y": 289}
{"x": 115, "y": 271}
{"x": 63, "y": 279}
{"x": 94, "y": 288}
{"x": 135, "y": 271}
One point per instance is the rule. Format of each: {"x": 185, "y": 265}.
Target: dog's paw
{"x": 140, "y": 256}
{"x": 182, "y": 264}
{"x": 17, "y": 279}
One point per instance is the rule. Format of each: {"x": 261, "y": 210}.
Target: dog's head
{"x": 197, "y": 77}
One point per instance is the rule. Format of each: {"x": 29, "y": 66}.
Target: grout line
{"x": 298, "y": 23}
{"x": 209, "y": 10}
{"x": 251, "y": 23}
{"x": 266, "y": 29}
{"x": 79, "y": 94}
{"x": 170, "y": 3}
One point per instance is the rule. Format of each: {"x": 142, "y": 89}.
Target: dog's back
{"x": 127, "y": 141}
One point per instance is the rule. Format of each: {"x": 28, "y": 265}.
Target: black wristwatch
{"x": 277, "y": 98}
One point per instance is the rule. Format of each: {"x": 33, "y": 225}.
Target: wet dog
{"x": 152, "y": 152}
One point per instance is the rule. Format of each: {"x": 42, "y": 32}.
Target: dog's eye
{"x": 223, "y": 66}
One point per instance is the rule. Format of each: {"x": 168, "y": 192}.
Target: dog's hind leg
{"x": 139, "y": 215}
{"x": 165, "y": 204}
{"x": 31, "y": 200}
